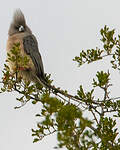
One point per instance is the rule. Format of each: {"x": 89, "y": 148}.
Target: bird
{"x": 19, "y": 32}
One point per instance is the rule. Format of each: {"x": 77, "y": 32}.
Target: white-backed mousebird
{"x": 19, "y": 32}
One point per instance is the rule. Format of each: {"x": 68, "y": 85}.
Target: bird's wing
{"x": 31, "y": 48}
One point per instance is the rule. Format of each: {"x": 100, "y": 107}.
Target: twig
{"x": 94, "y": 116}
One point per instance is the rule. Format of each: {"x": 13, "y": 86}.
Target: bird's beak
{"x": 21, "y": 29}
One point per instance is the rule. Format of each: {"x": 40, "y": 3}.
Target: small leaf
{"x": 35, "y": 140}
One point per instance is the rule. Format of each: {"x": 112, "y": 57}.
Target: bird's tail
{"x": 54, "y": 89}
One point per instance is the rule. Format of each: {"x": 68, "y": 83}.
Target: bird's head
{"x": 18, "y": 24}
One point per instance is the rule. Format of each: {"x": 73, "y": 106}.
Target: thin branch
{"x": 112, "y": 110}
{"x": 107, "y": 55}
{"x": 74, "y": 98}
{"x": 61, "y": 97}
{"x": 94, "y": 116}
{"x": 50, "y": 133}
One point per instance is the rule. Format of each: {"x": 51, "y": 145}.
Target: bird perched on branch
{"x": 19, "y": 32}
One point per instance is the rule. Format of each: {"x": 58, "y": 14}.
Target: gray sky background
{"x": 63, "y": 28}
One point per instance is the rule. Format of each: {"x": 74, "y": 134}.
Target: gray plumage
{"x": 31, "y": 48}
{"x": 20, "y": 32}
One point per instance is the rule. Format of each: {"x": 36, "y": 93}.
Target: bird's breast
{"x": 30, "y": 68}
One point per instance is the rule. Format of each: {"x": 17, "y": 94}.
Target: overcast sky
{"x": 63, "y": 28}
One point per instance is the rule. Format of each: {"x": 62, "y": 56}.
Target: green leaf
{"x": 35, "y": 140}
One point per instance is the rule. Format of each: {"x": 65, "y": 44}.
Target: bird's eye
{"x": 21, "y": 29}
